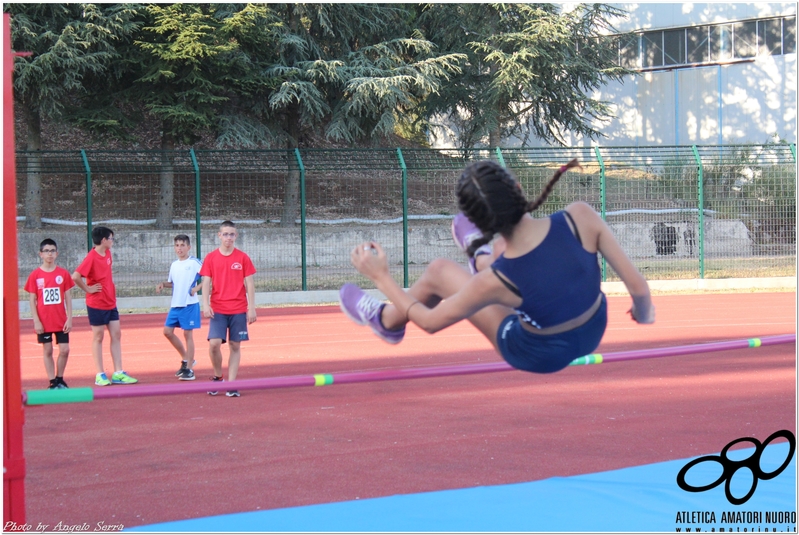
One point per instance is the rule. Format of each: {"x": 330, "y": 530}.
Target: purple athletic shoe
{"x": 364, "y": 309}
{"x": 465, "y": 232}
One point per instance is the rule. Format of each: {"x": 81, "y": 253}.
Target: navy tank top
{"x": 557, "y": 281}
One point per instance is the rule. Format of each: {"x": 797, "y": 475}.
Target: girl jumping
{"x": 534, "y": 293}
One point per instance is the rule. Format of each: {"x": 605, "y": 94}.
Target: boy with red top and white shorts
{"x": 51, "y": 308}
{"x": 101, "y": 304}
{"x": 228, "y": 284}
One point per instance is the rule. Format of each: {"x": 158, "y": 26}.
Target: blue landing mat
{"x": 638, "y": 499}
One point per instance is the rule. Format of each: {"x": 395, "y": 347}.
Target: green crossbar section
{"x": 60, "y": 395}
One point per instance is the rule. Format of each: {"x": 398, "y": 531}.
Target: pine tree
{"x": 530, "y": 69}
{"x": 354, "y": 68}
{"x": 181, "y": 67}
{"x": 68, "y": 42}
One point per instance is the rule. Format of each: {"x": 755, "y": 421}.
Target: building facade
{"x": 706, "y": 73}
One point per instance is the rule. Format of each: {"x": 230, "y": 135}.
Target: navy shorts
{"x": 60, "y": 338}
{"x": 99, "y": 317}
{"x": 550, "y": 353}
{"x": 187, "y": 318}
{"x": 236, "y": 324}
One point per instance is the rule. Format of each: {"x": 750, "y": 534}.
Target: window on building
{"x": 709, "y": 43}
{"x": 744, "y": 39}
{"x": 721, "y": 42}
{"x": 652, "y": 49}
{"x": 789, "y": 35}
{"x": 698, "y": 44}
{"x": 628, "y": 51}
{"x": 769, "y": 37}
{"x": 674, "y": 47}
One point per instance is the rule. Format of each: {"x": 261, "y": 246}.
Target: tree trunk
{"x": 494, "y": 138}
{"x": 166, "y": 183}
{"x": 292, "y": 192}
{"x": 291, "y": 195}
{"x": 33, "y": 188}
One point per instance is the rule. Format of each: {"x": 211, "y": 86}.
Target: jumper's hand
{"x": 369, "y": 264}
{"x": 642, "y": 311}
{"x": 94, "y": 288}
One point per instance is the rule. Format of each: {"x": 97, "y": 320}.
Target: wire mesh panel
{"x": 51, "y": 188}
{"x": 259, "y": 191}
{"x": 432, "y": 177}
{"x": 650, "y": 196}
{"x": 51, "y": 203}
{"x": 146, "y": 198}
{"x": 652, "y": 209}
{"x": 751, "y": 190}
{"x": 351, "y": 196}
{"x": 534, "y": 168}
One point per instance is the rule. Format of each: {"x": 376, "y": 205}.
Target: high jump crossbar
{"x": 76, "y": 395}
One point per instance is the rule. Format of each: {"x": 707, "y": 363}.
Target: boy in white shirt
{"x": 185, "y": 307}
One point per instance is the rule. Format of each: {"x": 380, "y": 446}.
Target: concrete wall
{"x": 151, "y": 251}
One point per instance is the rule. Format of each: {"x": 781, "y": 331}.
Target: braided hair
{"x": 490, "y": 197}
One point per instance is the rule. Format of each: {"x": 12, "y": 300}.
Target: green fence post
{"x": 500, "y": 159}
{"x": 603, "y": 201}
{"x": 793, "y": 151}
{"x": 88, "y": 199}
{"x": 404, "y": 218}
{"x": 197, "y": 231}
{"x": 701, "y": 202}
{"x": 303, "y": 242}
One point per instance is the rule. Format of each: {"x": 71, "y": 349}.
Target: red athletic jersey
{"x": 228, "y": 294}
{"x": 50, "y": 288}
{"x": 94, "y": 269}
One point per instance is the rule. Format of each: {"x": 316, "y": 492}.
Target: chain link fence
{"x": 682, "y": 212}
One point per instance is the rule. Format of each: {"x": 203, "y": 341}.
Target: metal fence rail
{"x": 680, "y": 212}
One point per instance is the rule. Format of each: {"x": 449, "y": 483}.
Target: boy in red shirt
{"x": 101, "y": 304}
{"x": 51, "y": 308}
{"x": 228, "y": 283}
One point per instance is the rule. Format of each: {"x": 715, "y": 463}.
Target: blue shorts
{"x": 550, "y": 353}
{"x": 187, "y": 318}
{"x": 99, "y": 317}
{"x": 220, "y": 324}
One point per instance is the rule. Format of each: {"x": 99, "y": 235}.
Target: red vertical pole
{"x": 13, "y": 417}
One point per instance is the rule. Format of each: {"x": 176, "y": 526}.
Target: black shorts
{"x": 99, "y": 317}
{"x": 47, "y": 338}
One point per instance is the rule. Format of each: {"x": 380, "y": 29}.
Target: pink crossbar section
{"x": 413, "y": 373}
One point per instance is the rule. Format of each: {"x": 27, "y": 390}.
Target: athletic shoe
{"x": 53, "y": 386}
{"x": 122, "y": 378}
{"x": 216, "y": 380}
{"x": 233, "y": 394}
{"x": 101, "y": 379}
{"x": 61, "y": 383}
{"x": 187, "y": 375}
{"x": 464, "y": 232}
{"x": 364, "y": 309}
{"x": 184, "y": 365}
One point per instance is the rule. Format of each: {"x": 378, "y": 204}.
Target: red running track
{"x": 139, "y": 461}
